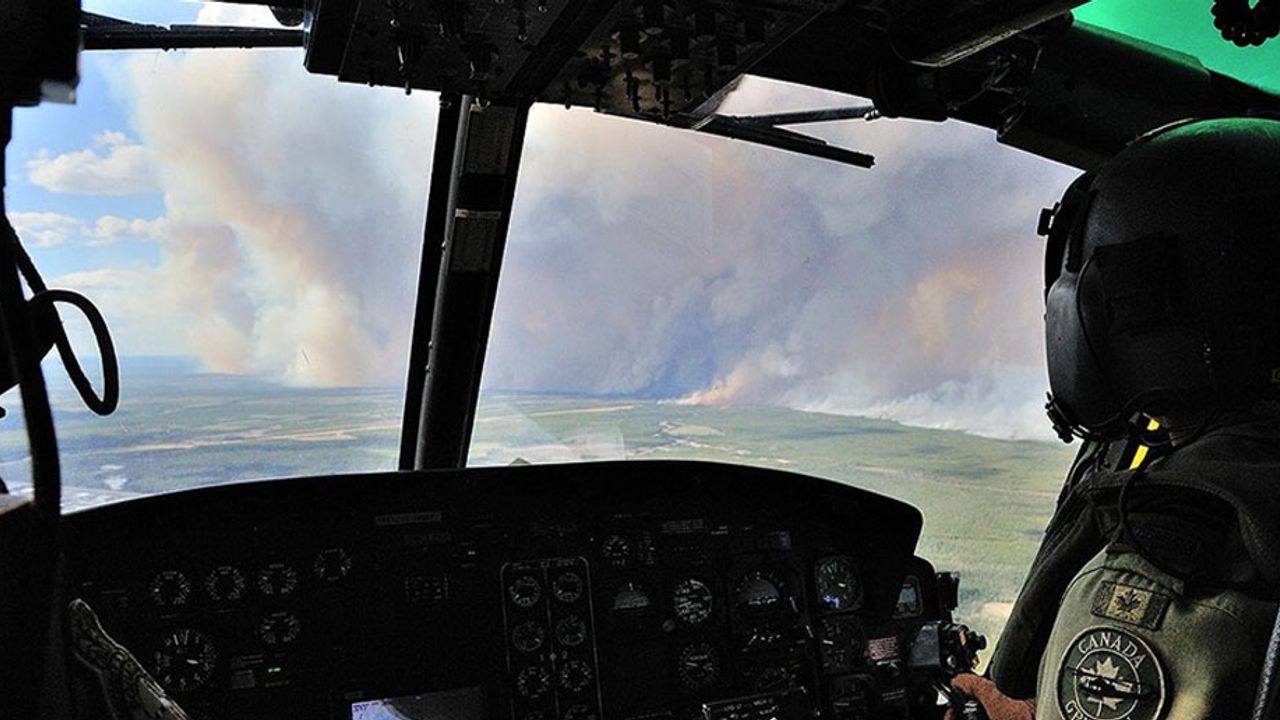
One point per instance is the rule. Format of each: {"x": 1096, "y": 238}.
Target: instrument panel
{"x": 651, "y": 58}
{"x": 571, "y": 592}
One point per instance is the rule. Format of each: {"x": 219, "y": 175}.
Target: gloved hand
{"x": 110, "y": 682}
{"x": 997, "y": 705}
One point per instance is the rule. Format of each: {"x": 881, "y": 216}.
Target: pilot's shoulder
{"x": 1137, "y": 642}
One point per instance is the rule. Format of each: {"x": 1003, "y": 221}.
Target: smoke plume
{"x": 295, "y": 208}
{"x": 669, "y": 264}
{"x": 641, "y": 260}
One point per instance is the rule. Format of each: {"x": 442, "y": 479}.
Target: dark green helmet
{"x": 1162, "y": 277}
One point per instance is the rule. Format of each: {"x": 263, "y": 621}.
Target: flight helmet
{"x": 1162, "y": 278}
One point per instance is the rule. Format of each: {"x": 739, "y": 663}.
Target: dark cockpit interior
{"x": 626, "y": 589}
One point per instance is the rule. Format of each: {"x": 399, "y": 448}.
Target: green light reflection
{"x": 1187, "y": 26}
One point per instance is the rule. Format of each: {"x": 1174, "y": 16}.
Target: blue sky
{"x": 53, "y": 130}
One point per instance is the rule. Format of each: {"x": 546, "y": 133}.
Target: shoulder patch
{"x": 1108, "y": 673}
{"x": 1129, "y": 604}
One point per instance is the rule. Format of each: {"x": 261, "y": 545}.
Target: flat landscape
{"x": 985, "y": 501}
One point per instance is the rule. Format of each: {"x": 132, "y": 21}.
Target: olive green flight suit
{"x": 1154, "y": 592}
{"x": 1133, "y": 642}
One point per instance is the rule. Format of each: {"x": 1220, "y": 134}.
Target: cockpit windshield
{"x": 251, "y": 234}
{"x": 675, "y": 296}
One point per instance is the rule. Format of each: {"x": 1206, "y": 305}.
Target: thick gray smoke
{"x": 675, "y": 265}
{"x": 641, "y": 260}
{"x": 295, "y": 209}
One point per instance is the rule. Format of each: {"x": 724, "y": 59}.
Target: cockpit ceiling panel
{"x": 648, "y": 57}
{"x": 1186, "y": 26}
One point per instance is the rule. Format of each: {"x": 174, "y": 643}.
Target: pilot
{"x": 1153, "y": 594}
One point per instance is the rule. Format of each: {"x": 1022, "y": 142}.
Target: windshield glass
{"x": 251, "y": 234}
{"x": 669, "y": 295}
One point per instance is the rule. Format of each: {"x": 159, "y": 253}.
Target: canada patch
{"x": 1129, "y": 604}
{"x": 1110, "y": 674}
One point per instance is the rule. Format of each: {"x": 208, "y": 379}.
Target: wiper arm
{"x": 803, "y": 117}
{"x": 102, "y": 32}
{"x": 765, "y": 130}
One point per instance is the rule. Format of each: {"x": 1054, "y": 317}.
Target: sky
{"x": 226, "y": 205}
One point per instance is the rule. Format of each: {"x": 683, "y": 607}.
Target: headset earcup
{"x": 1077, "y": 379}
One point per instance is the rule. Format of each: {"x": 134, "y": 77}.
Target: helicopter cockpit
{"x": 721, "y": 578}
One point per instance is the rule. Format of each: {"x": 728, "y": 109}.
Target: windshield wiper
{"x": 102, "y": 32}
{"x": 766, "y": 130}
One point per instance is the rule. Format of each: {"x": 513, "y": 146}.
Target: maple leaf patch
{"x": 1110, "y": 674}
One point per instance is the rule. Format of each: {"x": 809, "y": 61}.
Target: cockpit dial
{"x": 224, "y": 584}
{"x": 838, "y": 585}
{"x": 759, "y": 593}
{"x": 332, "y": 564}
{"x": 843, "y": 644}
{"x": 528, "y": 636}
{"x": 616, "y": 551}
{"x": 632, "y": 600}
{"x": 279, "y": 628}
{"x": 568, "y": 587}
{"x": 184, "y": 659}
{"x": 533, "y": 682}
{"x": 698, "y": 666}
{"x": 277, "y": 579}
{"x": 170, "y": 588}
{"x": 692, "y": 601}
{"x": 524, "y": 591}
{"x": 575, "y": 676}
{"x": 571, "y": 631}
